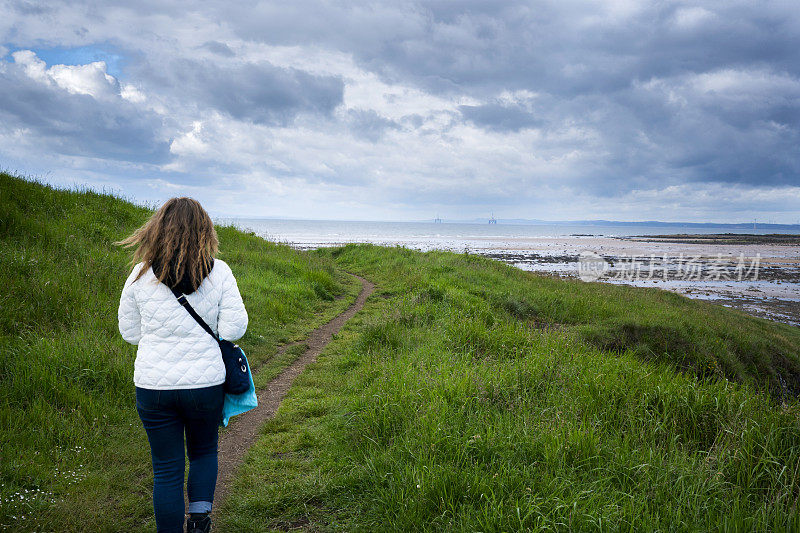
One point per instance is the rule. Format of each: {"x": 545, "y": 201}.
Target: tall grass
{"x": 467, "y": 396}
{"x": 470, "y": 396}
{"x": 73, "y": 455}
{"x": 693, "y": 336}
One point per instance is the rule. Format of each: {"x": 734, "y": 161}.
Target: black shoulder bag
{"x": 237, "y": 373}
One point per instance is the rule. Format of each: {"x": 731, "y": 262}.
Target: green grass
{"x": 654, "y": 325}
{"x": 466, "y": 396}
{"x": 73, "y": 455}
{"x": 471, "y": 396}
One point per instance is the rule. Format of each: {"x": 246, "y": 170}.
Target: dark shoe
{"x": 202, "y": 525}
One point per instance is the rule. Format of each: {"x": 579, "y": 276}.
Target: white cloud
{"x": 35, "y": 68}
{"x": 190, "y": 143}
{"x": 691, "y": 17}
{"x": 91, "y": 78}
{"x": 577, "y": 107}
{"x": 132, "y": 94}
{"x": 745, "y": 82}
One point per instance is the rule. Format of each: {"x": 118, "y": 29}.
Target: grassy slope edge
{"x": 73, "y": 456}
{"x": 471, "y": 396}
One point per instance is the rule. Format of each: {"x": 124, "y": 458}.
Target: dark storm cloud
{"x": 686, "y": 128}
{"x": 471, "y": 99}
{"x": 260, "y": 93}
{"x": 591, "y": 60}
{"x": 579, "y": 47}
{"x": 218, "y": 48}
{"x": 499, "y": 117}
{"x": 368, "y": 124}
{"x": 78, "y": 124}
{"x": 29, "y": 8}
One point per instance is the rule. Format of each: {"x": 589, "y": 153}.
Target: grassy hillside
{"x": 73, "y": 455}
{"x": 468, "y": 395}
{"x": 472, "y": 396}
{"x": 698, "y": 337}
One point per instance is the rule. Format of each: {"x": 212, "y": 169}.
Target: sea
{"x": 556, "y": 249}
{"x": 306, "y": 234}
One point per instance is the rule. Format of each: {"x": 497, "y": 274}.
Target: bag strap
{"x": 182, "y": 300}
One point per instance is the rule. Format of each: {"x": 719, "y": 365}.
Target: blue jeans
{"x": 167, "y": 415}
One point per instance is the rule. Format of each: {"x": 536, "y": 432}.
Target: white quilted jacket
{"x": 175, "y": 352}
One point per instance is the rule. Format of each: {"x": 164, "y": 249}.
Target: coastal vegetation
{"x": 466, "y": 395}
{"x": 472, "y": 396}
{"x": 73, "y": 455}
{"x": 723, "y": 238}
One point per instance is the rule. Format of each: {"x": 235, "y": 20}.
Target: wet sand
{"x": 721, "y": 238}
{"x": 760, "y": 278}
{"x": 758, "y": 274}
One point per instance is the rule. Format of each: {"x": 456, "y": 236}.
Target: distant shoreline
{"x": 541, "y": 228}
{"x": 720, "y": 238}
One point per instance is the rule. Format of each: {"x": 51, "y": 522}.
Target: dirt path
{"x": 244, "y": 428}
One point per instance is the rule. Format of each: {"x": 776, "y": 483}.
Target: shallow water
{"x": 451, "y": 236}
{"x": 772, "y": 290}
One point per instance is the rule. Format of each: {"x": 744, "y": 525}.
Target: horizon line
{"x": 526, "y": 221}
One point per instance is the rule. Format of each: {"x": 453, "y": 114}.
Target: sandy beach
{"x": 756, "y": 273}
{"x": 762, "y": 279}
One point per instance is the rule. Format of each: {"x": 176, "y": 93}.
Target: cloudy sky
{"x": 616, "y": 109}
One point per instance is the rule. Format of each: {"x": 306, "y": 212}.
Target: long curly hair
{"x": 179, "y": 241}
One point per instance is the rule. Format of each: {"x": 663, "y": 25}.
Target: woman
{"x": 179, "y": 373}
